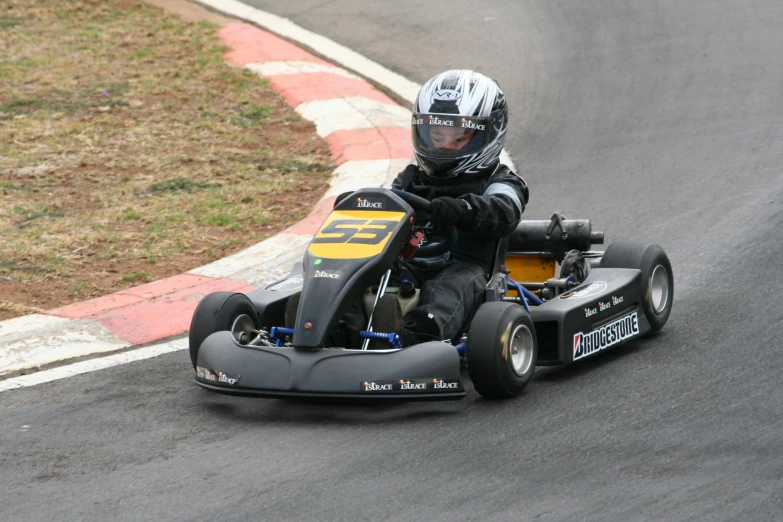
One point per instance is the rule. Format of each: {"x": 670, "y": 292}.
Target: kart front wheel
{"x": 502, "y": 349}
{"x": 221, "y": 311}
{"x": 657, "y": 278}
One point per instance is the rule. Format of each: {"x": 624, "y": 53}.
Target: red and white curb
{"x": 369, "y": 138}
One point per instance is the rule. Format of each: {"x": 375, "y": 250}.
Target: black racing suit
{"x": 452, "y": 285}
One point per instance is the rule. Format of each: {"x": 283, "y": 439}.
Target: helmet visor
{"x": 448, "y": 135}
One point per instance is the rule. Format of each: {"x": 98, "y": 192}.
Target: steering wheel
{"x": 420, "y": 204}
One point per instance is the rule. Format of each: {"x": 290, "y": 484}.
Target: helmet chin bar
{"x": 460, "y": 168}
{"x": 441, "y": 170}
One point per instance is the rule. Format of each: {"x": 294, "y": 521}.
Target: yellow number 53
{"x": 354, "y": 234}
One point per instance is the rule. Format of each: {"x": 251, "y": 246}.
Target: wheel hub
{"x": 243, "y": 328}
{"x": 659, "y": 289}
{"x": 521, "y": 350}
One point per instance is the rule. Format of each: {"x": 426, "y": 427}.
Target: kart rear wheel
{"x": 221, "y": 311}
{"x": 502, "y": 349}
{"x": 657, "y": 277}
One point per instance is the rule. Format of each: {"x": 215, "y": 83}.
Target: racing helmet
{"x": 459, "y": 124}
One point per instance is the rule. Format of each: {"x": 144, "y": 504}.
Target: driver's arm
{"x": 498, "y": 210}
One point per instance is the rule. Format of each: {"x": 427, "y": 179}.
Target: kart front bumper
{"x": 428, "y": 371}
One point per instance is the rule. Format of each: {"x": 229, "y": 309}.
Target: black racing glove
{"x": 446, "y": 211}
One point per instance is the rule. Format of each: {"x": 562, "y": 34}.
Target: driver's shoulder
{"x": 504, "y": 174}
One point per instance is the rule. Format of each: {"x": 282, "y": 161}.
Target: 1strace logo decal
{"x": 602, "y": 306}
{"x": 610, "y": 334}
{"x": 206, "y": 374}
{"x": 327, "y": 274}
{"x": 467, "y": 124}
{"x": 369, "y": 203}
{"x": 217, "y": 377}
{"x": 412, "y": 385}
{"x": 434, "y": 120}
{"x": 380, "y": 386}
{"x": 440, "y": 384}
{"x": 227, "y": 379}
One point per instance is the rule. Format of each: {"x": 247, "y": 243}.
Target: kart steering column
{"x": 381, "y": 291}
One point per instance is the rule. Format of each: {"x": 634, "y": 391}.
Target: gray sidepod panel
{"x": 605, "y": 297}
{"x": 333, "y": 371}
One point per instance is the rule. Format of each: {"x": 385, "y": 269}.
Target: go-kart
{"x": 550, "y": 300}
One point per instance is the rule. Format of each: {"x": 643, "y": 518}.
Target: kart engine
{"x": 536, "y": 247}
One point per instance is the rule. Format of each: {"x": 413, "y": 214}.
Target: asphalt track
{"x": 657, "y": 119}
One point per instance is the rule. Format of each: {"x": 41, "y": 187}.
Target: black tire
{"x": 215, "y": 313}
{"x": 493, "y": 366}
{"x": 657, "y": 276}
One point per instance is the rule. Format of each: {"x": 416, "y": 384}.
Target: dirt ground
{"x": 130, "y": 152}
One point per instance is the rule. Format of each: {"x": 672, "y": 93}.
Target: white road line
{"x": 92, "y": 365}
{"x": 296, "y": 67}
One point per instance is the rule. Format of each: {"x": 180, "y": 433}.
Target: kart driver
{"x": 459, "y": 125}
{"x": 458, "y": 128}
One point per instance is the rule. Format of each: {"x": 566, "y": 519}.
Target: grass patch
{"x": 55, "y": 100}
{"x": 219, "y": 220}
{"x": 7, "y": 266}
{"x": 6, "y": 22}
{"x": 27, "y": 215}
{"x": 252, "y": 116}
{"x": 136, "y": 277}
{"x": 10, "y": 186}
{"x": 122, "y": 126}
{"x": 178, "y": 185}
{"x": 132, "y": 215}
